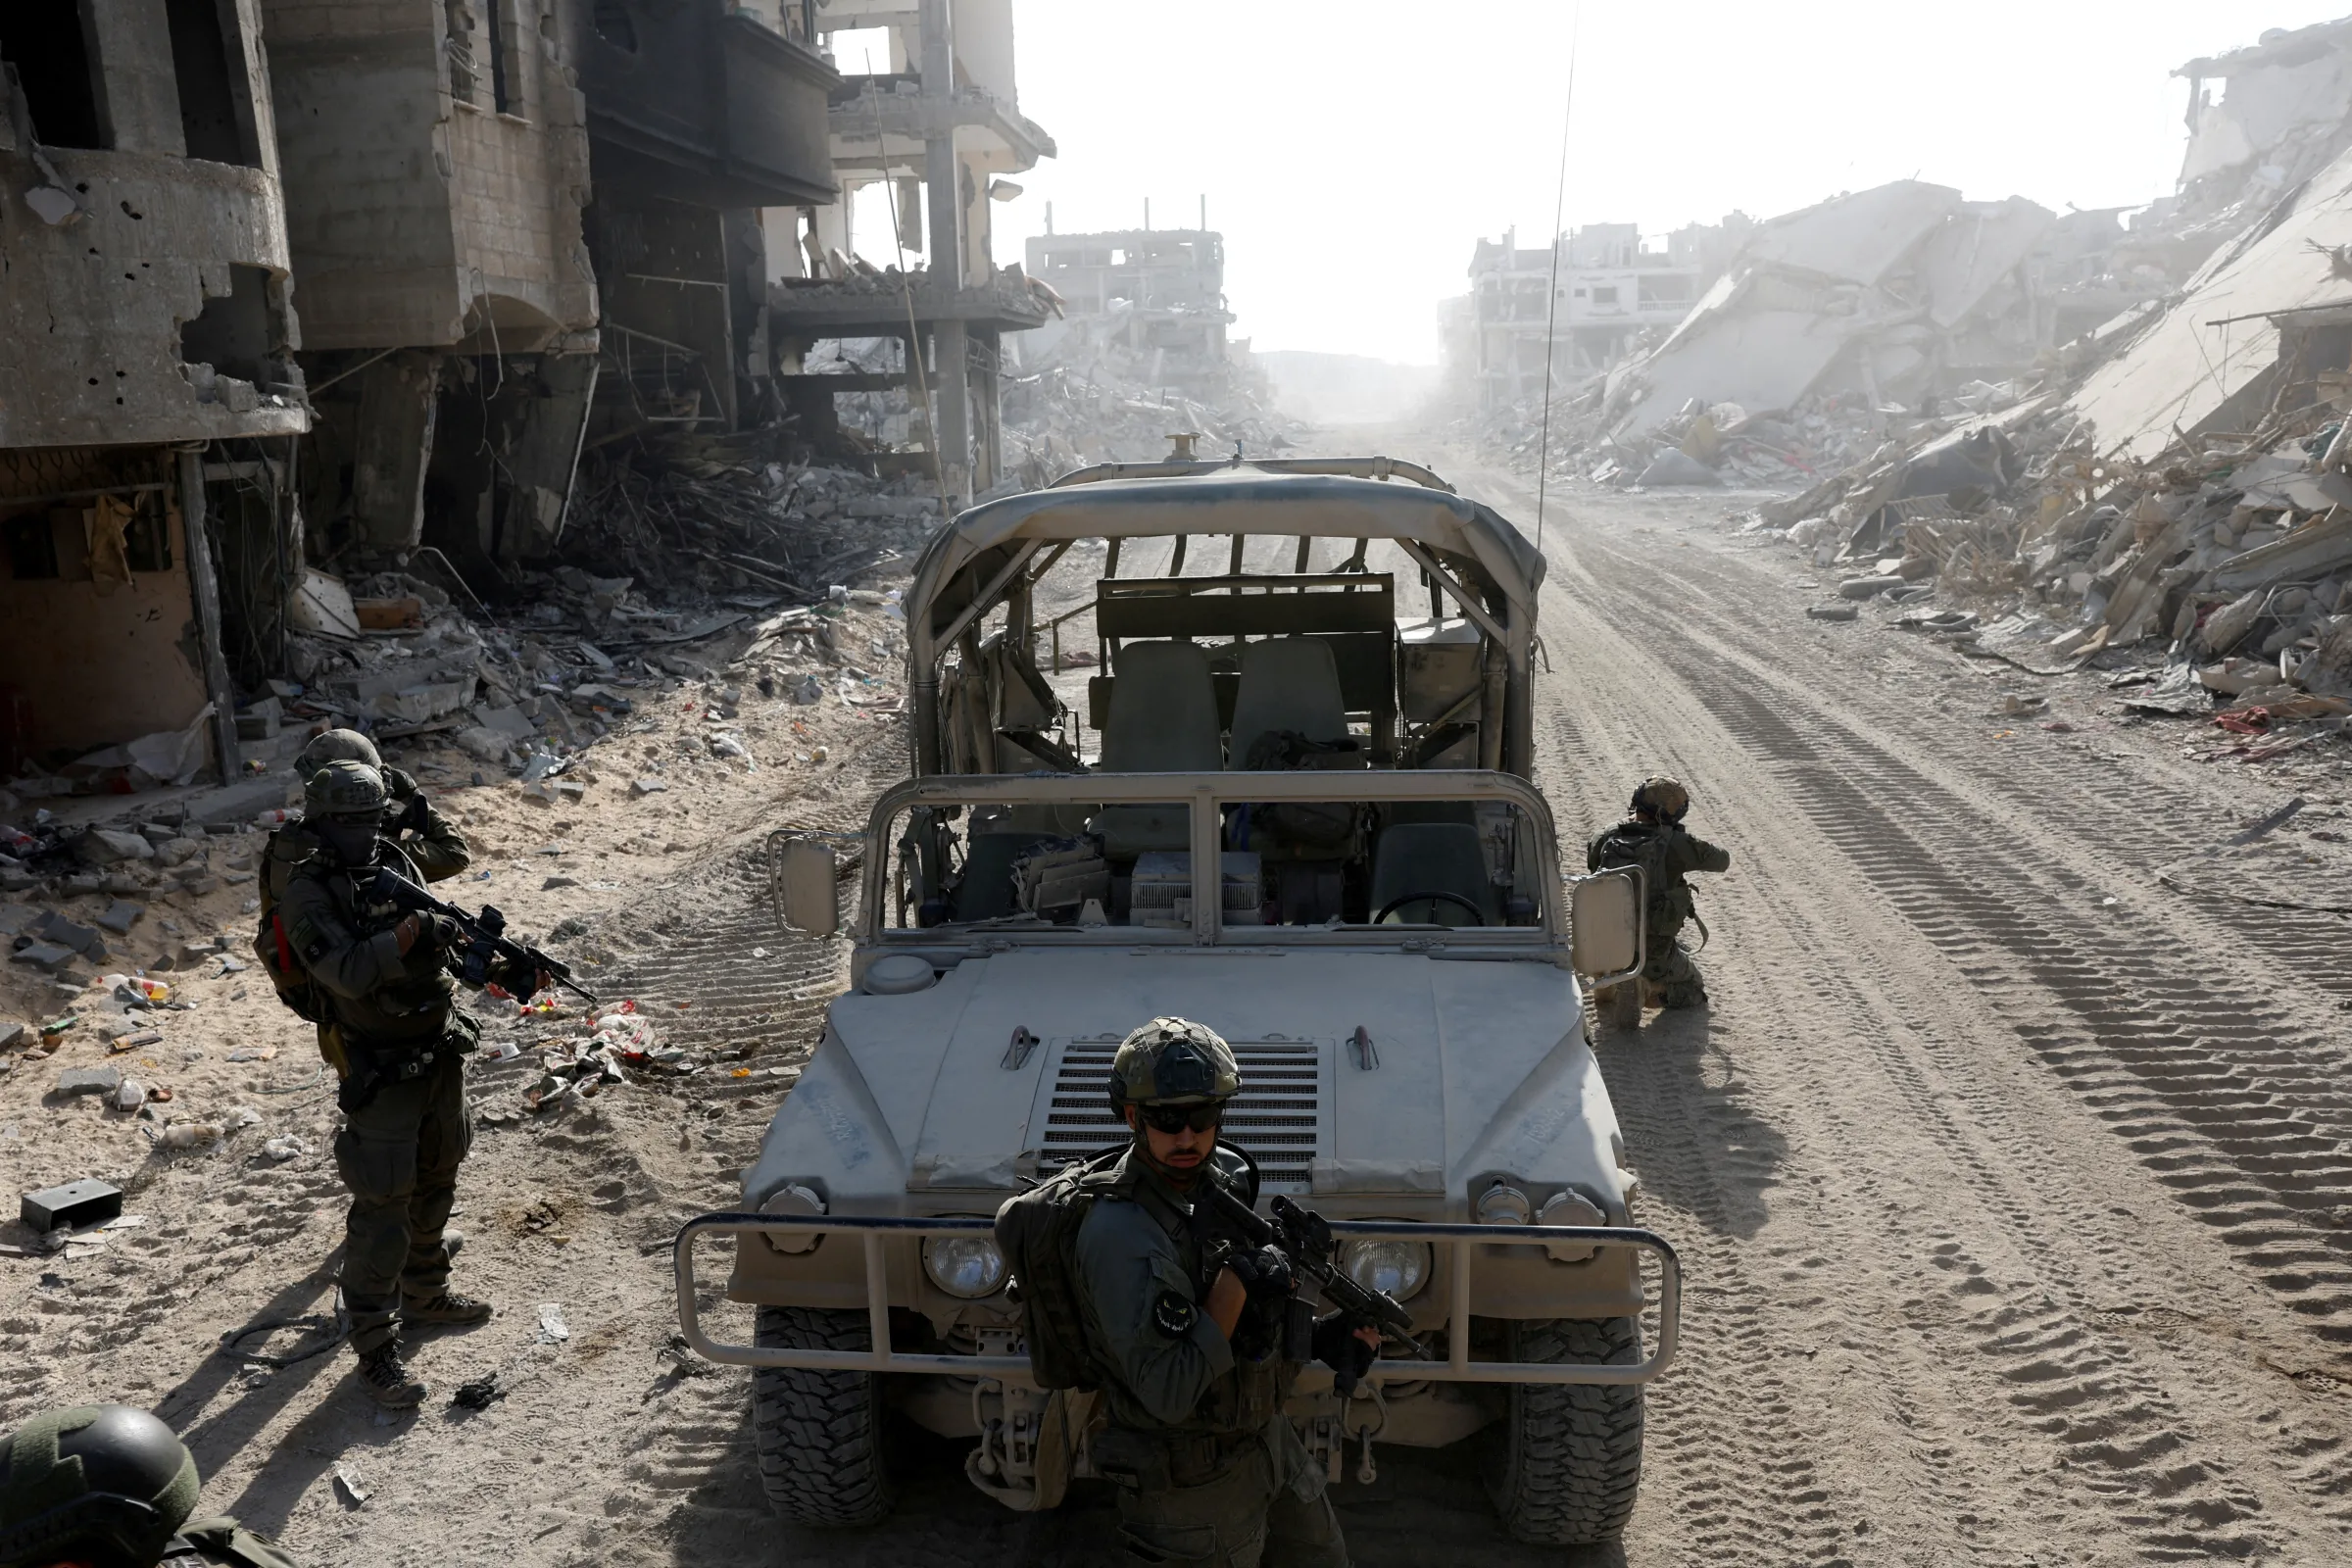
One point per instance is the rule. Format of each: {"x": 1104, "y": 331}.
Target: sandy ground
{"x": 2011, "y": 1181}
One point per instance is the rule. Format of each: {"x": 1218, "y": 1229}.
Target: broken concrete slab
{"x": 89, "y": 1079}
{"x": 83, "y": 939}
{"x": 102, "y": 845}
{"x": 239, "y": 803}
{"x": 121, "y": 915}
{"x": 1674, "y": 466}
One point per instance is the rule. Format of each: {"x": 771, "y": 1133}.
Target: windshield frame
{"x": 1206, "y": 794}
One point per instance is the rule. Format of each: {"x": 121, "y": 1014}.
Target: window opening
{"x": 614, "y": 26}
{"x": 500, "y": 98}
{"x": 211, "y": 120}
{"x": 45, "y": 40}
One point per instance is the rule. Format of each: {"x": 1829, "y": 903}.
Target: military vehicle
{"x": 1387, "y": 940}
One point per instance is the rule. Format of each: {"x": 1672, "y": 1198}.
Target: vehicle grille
{"x": 1277, "y": 1119}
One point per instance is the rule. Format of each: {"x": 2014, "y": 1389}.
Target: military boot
{"x": 446, "y": 1307}
{"x": 388, "y": 1380}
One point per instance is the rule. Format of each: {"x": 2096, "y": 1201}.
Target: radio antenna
{"x": 1551, "y": 305}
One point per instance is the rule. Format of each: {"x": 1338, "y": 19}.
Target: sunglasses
{"x": 1176, "y": 1119}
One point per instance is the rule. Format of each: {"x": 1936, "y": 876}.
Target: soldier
{"x": 395, "y": 1038}
{"x": 436, "y": 847}
{"x": 106, "y": 1486}
{"x": 1210, "y": 1472}
{"x": 1652, "y": 838}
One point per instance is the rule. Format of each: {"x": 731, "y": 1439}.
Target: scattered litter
{"x": 188, "y": 1135}
{"x": 283, "y": 1147}
{"x": 553, "y": 1330}
{"x": 347, "y": 1476}
{"x": 1832, "y": 611}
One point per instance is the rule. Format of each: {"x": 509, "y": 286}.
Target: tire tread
{"x": 818, "y": 1434}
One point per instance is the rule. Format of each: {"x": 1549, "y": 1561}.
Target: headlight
{"x": 968, "y": 1267}
{"x": 793, "y": 1198}
{"x": 1502, "y": 1205}
{"x": 1399, "y": 1268}
{"x": 1571, "y": 1209}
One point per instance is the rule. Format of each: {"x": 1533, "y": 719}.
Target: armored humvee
{"x": 1282, "y": 805}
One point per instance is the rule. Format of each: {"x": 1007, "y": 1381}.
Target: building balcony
{"x": 699, "y": 104}
{"x": 892, "y": 111}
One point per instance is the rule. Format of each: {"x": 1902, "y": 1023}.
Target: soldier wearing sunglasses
{"x": 1210, "y": 1472}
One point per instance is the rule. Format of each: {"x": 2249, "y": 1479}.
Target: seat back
{"x": 1163, "y": 712}
{"x": 1434, "y": 857}
{"x": 1288, "y": 683}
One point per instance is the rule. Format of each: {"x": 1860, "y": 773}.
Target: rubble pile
{"x": 2228, "y": 553}
{"x": 736, "y": 511}
{"x": 1086, "y": 395}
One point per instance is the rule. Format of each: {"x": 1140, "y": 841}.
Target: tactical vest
{"x": 1667, "y": 900}
{"x": 1037, "y": 1230}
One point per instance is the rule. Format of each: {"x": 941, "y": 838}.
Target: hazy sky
{"x": 1351, "y": 149}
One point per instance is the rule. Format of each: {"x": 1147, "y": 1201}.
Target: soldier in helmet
{"x": 1209, "y": 1471}
{"x": 1652, "y": 838}
{"x": 106, "y": 1486}
{"x": 397, "y": 1039}
{"x": 436, "y": 847}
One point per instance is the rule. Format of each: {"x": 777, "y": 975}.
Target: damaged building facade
{"x": 150, "y": 394}
{"x": 932, "y": 111}
{"x": 1154, "y": 297}
{"x": 1612, "y": 293}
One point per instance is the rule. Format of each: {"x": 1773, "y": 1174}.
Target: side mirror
{"x": 801, "y": 874}
{"x": 1605, "y": 927}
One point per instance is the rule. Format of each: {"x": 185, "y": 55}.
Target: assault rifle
{"x": 1304, "y": 1237}
{"x": 488, "y": 948}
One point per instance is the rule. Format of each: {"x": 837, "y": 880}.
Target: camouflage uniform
{"x": 398, "y": 1039}
{"x": 1668, "y": 854}
{"x": 1210, "y": 1472}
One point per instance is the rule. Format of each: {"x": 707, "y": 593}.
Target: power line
{"x": 1551, "y": 306}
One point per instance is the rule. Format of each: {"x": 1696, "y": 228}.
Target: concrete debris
{"x": 89, "y": 1079}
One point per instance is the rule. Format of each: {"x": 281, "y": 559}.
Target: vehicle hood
{"x": 1479, "y": 1070}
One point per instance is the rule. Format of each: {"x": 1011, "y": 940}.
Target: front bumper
{"x": 1460, "y": 1241}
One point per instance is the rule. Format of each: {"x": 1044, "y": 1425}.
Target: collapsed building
{"x": 1156, "y": 296}
{"x": 149, "y": 385}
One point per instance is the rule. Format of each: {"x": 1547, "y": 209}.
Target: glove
{"x": 1336, "y": 1348}
{"x": 1263, "y": 1272}
{"x": 438, "y": 933}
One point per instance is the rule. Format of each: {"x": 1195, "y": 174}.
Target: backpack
{"x": 1037, "y": 1230}
{"x": 275, "y": 949}
{"x": 1667, "y": 901}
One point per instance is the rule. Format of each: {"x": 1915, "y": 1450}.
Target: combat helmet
{"x": 344, "y": 789}
{"x": 335, "y": 745}
{"x": 1663, "y": 796}
{"x": 1172, "y": 1062}
{"x": 99, "y": 1482}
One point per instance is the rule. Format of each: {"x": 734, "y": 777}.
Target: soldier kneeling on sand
{"x": 106, "y": 1486}
{"x": 1652, "y": 838}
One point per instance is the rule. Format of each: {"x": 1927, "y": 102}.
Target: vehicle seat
{"x": 1434, "y": 857}
{"x": 1288, "y": 683}
{"x": 1163, "y": 712}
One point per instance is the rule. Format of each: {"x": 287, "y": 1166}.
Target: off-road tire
{"x": 1566, "y": 1459}
{"x": 820, "y": 1433}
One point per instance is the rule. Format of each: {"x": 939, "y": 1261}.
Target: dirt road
{"x": 2012, "y": 1184}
